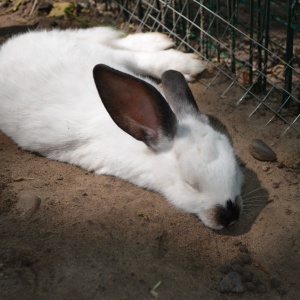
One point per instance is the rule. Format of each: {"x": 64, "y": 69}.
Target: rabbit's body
{"x": 49, "y": 104}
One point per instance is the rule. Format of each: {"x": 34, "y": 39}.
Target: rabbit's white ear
{"x": 178, "y": 94}
{"x": 136, "y": 107}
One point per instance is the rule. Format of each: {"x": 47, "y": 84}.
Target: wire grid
{"x": 223, "y": 33}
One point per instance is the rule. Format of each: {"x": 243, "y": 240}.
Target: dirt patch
{"x": 82, "y": 236}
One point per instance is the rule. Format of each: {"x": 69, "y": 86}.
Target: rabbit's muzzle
{"x": 229, "y": 214}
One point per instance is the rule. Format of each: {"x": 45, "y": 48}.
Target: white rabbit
{"x": 49, "y": 103}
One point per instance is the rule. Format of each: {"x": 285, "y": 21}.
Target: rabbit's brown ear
{"x": 136, "y": 106}
{"x": 178, "y": 94}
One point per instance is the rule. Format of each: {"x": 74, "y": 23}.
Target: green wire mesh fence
{"x": 256, "y": 44}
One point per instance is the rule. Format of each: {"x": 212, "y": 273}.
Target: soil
{"x": 68, "y": 234}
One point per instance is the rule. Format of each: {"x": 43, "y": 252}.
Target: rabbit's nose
{"x": 228, "y": 214}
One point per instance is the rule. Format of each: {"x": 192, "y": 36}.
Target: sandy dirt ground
{"x": 68, "y": 234}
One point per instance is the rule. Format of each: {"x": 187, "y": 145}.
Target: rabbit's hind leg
{"x": 154, "y": 64}
{"x": 144, "y": 42}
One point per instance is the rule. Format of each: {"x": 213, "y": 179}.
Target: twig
{"x": 68, "y": 12}
{"x": 153, "y": 291}
{"x": 33, "y": 7}
{"x": 14, "y": 8}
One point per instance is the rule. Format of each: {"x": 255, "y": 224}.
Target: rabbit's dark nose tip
{"x": 227, "y": 215}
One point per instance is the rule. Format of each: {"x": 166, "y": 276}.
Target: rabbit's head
{"x": 209, "y": 167}
{"x": 204, "y": 177}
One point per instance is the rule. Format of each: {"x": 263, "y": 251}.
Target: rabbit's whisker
{"x": 250, "y": 206}
{"x": 256, "y": 197}
{"x": 249, "y": 211}
{"x": 252, "y": 192}
{"x": 254, "y": 201}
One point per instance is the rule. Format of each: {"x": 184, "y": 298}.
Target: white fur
{"x": 49, "y": 104}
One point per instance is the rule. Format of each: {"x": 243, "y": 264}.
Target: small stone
{"x": 260, "y": 151}
{"x": 225, "y": 269}
{"x": 237, "y": 268}
{"x": 45, "y": 7}
{"x": 291, "y": 178}
{"x": 275, "y": 185}
{"x": 237, "y": 243}
{"x": 231, "y": 283}
{"x": 243, "y": 248}
{"x": 261, "y": 288}
{"x": 237, "y": 261}
{"x": 28, "y": 203}
{"x": 256, "y": 280}
{"x": 250, "y": 286}
{"x": 288, "y": 211}
{"x": 281, "y": 290}
{"x": 26, "y": 11}
{"x": 246, "y": 258}
{"x": 247, "y": 275}
{"x": 47, "y": 23}
{"x": 265, "y": 168}
{"x": 275, "y": 283}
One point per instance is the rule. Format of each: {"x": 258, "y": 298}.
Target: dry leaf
{"x": 22, "y": 179}
{"x": 141, "y": 214}
{"x": 59, "y": 9}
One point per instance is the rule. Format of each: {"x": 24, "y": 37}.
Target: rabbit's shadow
{"x": 255, "y": 199}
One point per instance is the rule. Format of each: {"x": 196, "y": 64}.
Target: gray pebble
{"x": 237, "y": 261}
{"x": 28, "y": 203}
{"x": 281, "y": 290}
{"x": 261, "y": 288}
{"x": 247, "y": 275}
{"x": 237, "y": 268}
{"x": 246, "y": 258}
{"x": 255, "y": 279}
{"x": 275, "y": 283}
{"x": 225, "y": 269}
{"x": 250, "y": 286}
{"x": 231, "y": 282}
{"x": 260, "y": 151}
{"x": 243, "y": 248}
